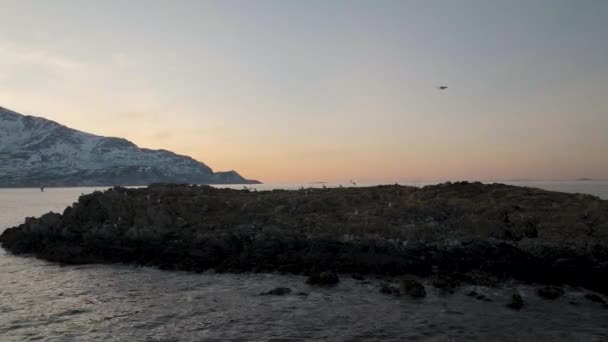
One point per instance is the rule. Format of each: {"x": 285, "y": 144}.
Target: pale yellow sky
{"x": 288, "y": 91}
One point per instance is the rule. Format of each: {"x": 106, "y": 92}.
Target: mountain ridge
{"x": 35, "y": 151}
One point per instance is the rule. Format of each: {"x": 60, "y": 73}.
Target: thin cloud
{"x": 16, "y": 55}
{"x": 122, "y": 60}
{"x": 162, "y": 135}
{"x": 137, "y": 115}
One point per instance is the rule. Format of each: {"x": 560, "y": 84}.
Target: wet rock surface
{"x": 389, "y": 289}
{"x": 478, "y": 296}
{"x": 358, "y": 276}
{"x": 466, "y": 232}
{"x": 550, "y": 292}
{"x": 412, "y": 288}
{"x": 595, "y": 298}
{"x": 445, "y": 283}
{"x": 517, "y": 302}
{"x": 323, "y": 278}
{"x": 279, "y": 291}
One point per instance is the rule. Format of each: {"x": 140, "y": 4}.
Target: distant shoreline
{"x": 345, "y": 183}
{"x": 112, "y": 186}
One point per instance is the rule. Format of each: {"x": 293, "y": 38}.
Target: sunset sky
{"x": 325, "y": 90}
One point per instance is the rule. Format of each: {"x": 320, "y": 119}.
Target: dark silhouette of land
{"x": 471, "y": 232}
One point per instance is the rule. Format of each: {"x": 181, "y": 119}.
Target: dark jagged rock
{"x": 473, "y": 293}
{"x": 483, "y": 278}
{"x": 413, "y": 288}
{"x": 445, "y": 283}
{"x": 517, "y": 302}
{"x": 389, "y": 289}
{"x": 323, "y": 278}
{"x": 464, "y": 232}
{"x": 358, "y": 276}
{"x": 478, "y": 296}
{"x": 279, "y": 291}
{"x": 595, "y": 298}
{"x": 550, "y": 292}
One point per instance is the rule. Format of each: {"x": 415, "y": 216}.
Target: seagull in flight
{"x": 442, "y": 87}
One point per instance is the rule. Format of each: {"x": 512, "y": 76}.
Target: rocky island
{"x": 455, "y": 232}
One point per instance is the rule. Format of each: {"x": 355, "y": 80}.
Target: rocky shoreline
{"x": 454, "y": 232}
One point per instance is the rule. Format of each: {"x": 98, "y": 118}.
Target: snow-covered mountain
{"x": 35, "y": 151}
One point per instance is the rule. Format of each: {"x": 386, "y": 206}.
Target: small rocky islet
{"x": 453, "y": 233}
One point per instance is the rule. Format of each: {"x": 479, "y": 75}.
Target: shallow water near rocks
{"x": 46, "y": 302}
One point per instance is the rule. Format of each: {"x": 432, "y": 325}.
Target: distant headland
{"x": 38, "y": 152}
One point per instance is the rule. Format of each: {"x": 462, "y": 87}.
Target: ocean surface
{"x": 41, "y": 301}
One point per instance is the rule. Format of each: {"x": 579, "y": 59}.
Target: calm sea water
{"x": 45, "y": 302}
